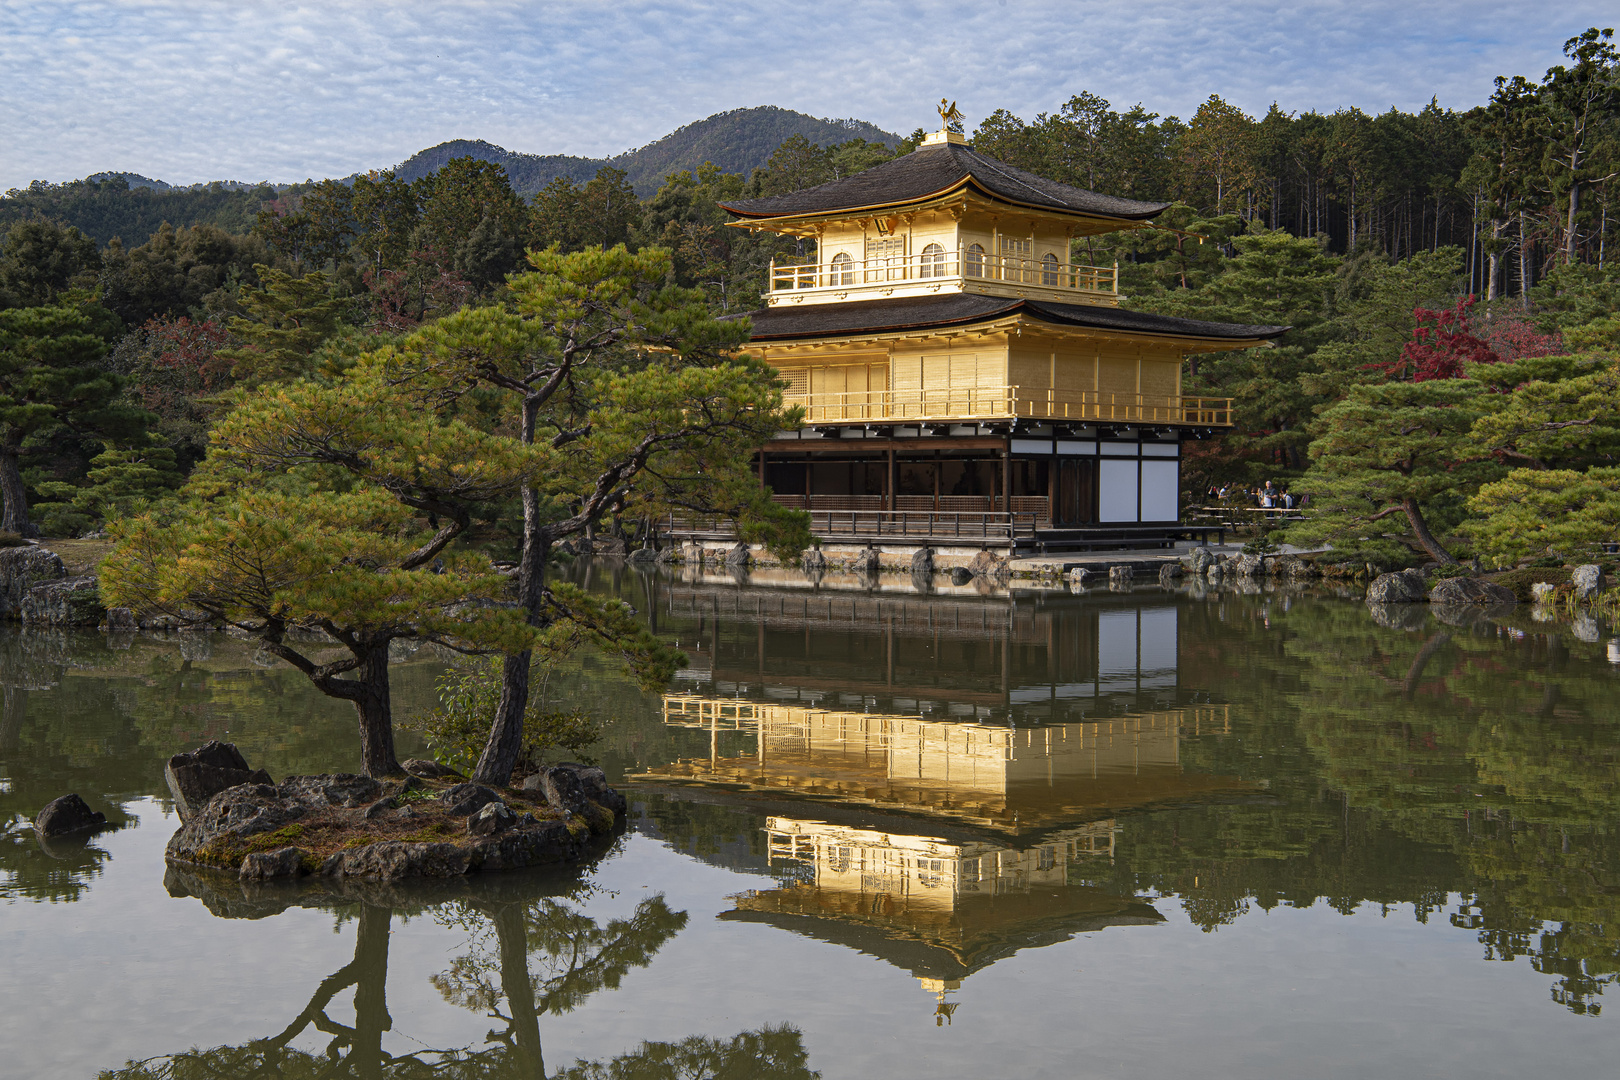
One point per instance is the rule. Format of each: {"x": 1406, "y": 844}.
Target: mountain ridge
{"x": 738, "y": 140}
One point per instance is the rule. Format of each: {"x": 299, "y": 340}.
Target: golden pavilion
{"x": 964, "y": 381}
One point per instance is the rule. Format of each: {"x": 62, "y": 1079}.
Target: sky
{"x": 188, "y": 91}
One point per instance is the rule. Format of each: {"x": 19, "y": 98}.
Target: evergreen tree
{"x": 303, "y": 519}
{"x": 51, "y": 381}
{"x": 285, "y": 322}
{"x": 1394, "y": 452}
{"x": 629, "y": 388}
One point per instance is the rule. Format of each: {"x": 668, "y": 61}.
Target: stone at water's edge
{"x": 813, "y": 561}
{"x": 70, "y": 602}
{"x": 567, "y": 784}
{"x": 961, "y": 575}
{"x": 226, "y": 826}
{"x": 1462, "y": 590}
{"x": 66, "y": 815}
{"x": 196, "y": 777}
{"x": 1404, "y": 587}
{"x": 1588, "y": 581}
{"x": 21, "y": 569}
{"x": 987, "y": 564}
{"x": 922, "y": 561}
{"x": 287, "y": 862}
{"x": 392, "y": 860}
{"x": 866, "y": 563}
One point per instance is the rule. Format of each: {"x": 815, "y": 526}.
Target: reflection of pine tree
{"x": 771, "y": 1053}
{"x": 575, "y": 956}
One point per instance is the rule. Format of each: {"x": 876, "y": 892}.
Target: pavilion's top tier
{"x": 943, "y": 218}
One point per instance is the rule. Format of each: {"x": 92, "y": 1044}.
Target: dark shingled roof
{"x": 934, "y": 170}
{"x": 797, "y": 321}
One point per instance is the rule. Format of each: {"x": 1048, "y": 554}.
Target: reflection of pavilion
{"x": 1010, "y": 780}
{"x": 940, "y": 909}
{"x": 940, "y": 846}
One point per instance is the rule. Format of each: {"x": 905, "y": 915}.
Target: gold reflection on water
{"x": 939, "y": 908}
{"x": 1004, "y": 778}
{"x": 1019, "y": 811}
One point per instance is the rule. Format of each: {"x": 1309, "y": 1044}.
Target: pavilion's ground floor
{"x": 1029, "y": 490}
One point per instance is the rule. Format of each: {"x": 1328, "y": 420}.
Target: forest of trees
{"x": 1404, "y": 249}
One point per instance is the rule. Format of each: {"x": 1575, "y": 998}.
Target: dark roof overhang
{"x": 961, "y": 311}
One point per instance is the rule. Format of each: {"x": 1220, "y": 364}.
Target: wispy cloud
{"x": 187, "y": 90}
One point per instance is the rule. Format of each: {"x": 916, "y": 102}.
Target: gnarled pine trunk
{"x": 14, "y": 518}
{"x": 1420, "y": 526}
{"x": 505, "y": 741}
{"x": 375, "y": 710}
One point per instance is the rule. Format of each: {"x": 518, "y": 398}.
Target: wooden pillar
{"x": 762, "y": 466}
{"x": 891, "y": 484}
{"x": 1006, "y": 478}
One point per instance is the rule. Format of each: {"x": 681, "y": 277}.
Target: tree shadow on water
{"x": 532, "y": 950}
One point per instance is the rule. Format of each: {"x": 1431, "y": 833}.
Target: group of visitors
{"x": 1268, "y": 497}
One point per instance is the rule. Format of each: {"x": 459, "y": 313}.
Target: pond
{"x": 880, "y": 832}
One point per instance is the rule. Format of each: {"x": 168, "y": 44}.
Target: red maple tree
{"x": 1442, "y": 342}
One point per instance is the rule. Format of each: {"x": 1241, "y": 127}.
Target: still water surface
{"x": 880, "y": 833}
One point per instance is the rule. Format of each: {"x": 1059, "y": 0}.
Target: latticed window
{"x": 885, "y": 259}
{"x": 1017, "y": 258}
{"x": 843, "y": 270}
{"x": 975, "y": 260}
{"x": 932, "y": 262}
{"x": 1049, "y": 269}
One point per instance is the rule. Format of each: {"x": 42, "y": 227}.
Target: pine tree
{"x": 286, "y": 321}
{"x": 632, "y": 390}
{"x": 51, "y": 380}
{"x": 1391, "y": 453}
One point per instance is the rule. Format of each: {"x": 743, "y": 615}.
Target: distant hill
{"x": 737, "y": 141}
{"x": 131, "y": 206}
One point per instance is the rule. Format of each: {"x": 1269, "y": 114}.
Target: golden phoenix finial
{"x": 949, "y": 114}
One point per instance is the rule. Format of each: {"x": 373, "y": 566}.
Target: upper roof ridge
{"x": 935, "y": 169}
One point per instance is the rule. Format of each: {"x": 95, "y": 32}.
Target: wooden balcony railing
{"x": 993, "y": 529}
{"x": 789, "y": 274}
{"x": 1008, "y": 402}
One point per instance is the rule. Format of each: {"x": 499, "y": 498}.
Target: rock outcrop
{"x": 1249, "y": 566}
{"x": 922, "y": 562}
{"x": 992, "y": 567}
{"x": 349, "y": 826}
{"x": 1587, "y": 580}
{"x": 72, "y": 601}
{"x": 1402, "y": 587}
{"x": 1464, "y": 590}
{"x": 67, "y": 815}
{"x": 22, "y": 569}
{"x": 282, "y": 863}
{"x": 196, "y": 777}
{"x": 429, "y": 770}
